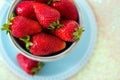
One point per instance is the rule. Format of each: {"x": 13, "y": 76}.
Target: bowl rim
{"x": 42, "y": 58}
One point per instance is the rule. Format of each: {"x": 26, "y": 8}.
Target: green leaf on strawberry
{"x": 35, "y": 70}
{"x": 51, "y": 1}
{"x": 26, "y": 40}
{"x": 7, "y": 25}
{"x": 78, "y": 32}
{"x": 12, "y": 17}
{"x": 55, "y": 25}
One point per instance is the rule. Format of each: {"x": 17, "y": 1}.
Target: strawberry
{"x": 29, "y": 66}
{"x": 21, "y": 27}
{"x": 66, "y": 8}
{"x": 47, "y": 16}
{"x": 42, "y": 1}
{"x": 70, "y": 31}
{"x": 46, "y": 44}
{"x": 25, "y": 8}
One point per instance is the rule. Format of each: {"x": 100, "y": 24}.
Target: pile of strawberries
{"x": 44, "y": 26}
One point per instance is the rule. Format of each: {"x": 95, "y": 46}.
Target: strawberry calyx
{"x": 55, "y": 25}
{"x": 27, "y": 41}
{"x": 78, "y": 32}
{"x": 35, "y": 70}
{"x": 6, "y": 26}
{"x": 51, "y": 1}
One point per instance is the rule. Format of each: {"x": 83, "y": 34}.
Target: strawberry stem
{"x": 35, "y": 70}
{"x": 55, "y": 25}
{"x": 26, "y": 40}
{"x": 78, "y": 32}
{"x": 6, "y": 26}
{"x": 51, "y": 1}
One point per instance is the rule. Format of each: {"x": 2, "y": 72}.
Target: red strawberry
{"x": 25, "y": 8}
{"x": 70, "y": 31}
{"x": 46, "y": 44}
{"x": 43, "y": 1}
{"x": 29, "y": 66}
{"x": 46, "y": 15}
{"x": 66, "y": 8}
{"x": 22, "y": 26}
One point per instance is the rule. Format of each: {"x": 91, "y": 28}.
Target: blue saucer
{"x": 60, "y": 69}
